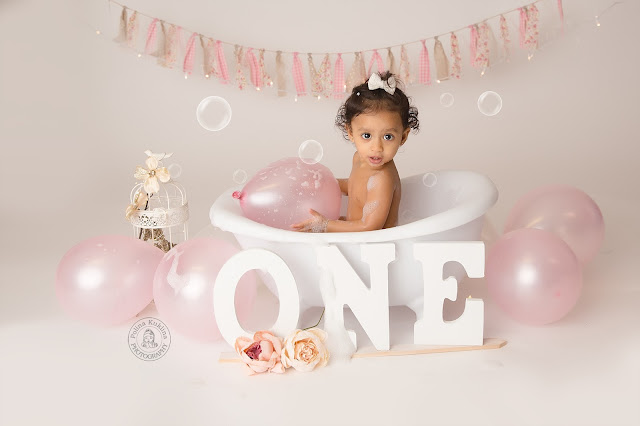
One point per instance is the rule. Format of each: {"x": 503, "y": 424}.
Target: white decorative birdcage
{"x": 159, "y": 210}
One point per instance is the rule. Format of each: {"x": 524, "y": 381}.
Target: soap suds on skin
{"x": 368, "y": 209}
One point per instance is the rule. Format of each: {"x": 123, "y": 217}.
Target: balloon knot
{"x": 237, "y": 195}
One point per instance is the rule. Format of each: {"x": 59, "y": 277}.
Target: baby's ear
{"x": 405, "y": 135}
{"x": 349, "y": 132}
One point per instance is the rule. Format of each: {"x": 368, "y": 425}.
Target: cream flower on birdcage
{"x": 151, "y": 174}
{"x": 139, "y": 201}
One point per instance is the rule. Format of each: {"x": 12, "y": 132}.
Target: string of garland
{"x": 164, "y": 40}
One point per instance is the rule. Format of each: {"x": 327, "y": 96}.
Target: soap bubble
{"x": 429, "y": 179}
{"x": 239, "y": 176}
{"x": 489, "y": 103}
{"x": 446, "y": 100}
{"x": 310, "y": 151}
{"x": 213, "y": 113}
{"x": 175, "y": 170}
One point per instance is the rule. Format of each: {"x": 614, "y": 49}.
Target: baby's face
{"x": 377, "y": 136}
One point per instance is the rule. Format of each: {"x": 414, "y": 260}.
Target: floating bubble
{"x": 310, "y": 152}
{"x": 239, "y": 176}
{"x": 489, "y": 103}
{"x": 446, "y": 100}
{"x": 214, "y": 113}
{"x": 175, "y": 170}
{"x": 429, "y": 179}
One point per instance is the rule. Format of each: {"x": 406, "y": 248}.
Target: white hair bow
{"x": 375, "y": 82}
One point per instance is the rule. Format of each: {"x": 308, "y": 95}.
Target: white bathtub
{"x": 452, "y": 208}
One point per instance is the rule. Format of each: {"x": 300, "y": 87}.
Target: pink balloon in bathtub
{"x": 282, "y": 193}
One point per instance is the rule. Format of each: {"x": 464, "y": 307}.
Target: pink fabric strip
{"x": 523, "y": 25}
{"x": 151, "y": 36}
{"x": 224, "y": 71}
{"x": 378, "y": 59}
{"x": 298, "y": 79}
{"x": 561, "y": 14}
{"x": 504, "y": 34}
{"x": 187, "y": 65}
{"x": 254, "y": 68}
{"x": 473, "y": 44}
{"x": 425, "y": 67}
{"x": 338, "y": 78}
{"x": 456, "y": 58}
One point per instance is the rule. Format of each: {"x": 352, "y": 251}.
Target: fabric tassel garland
{"x": 339, "y": 85}
{"x": 254, "y": 68}
{"x": 378, "y": 59}
{"x": 280, "y": 78}
{"x": 424, "y": 70}
{"x": 151, "y": 38}
{"x": 531, "y": 33}
{"x": 171, "y": 46}
{"x": 298, "y": 77}
{"x": 357, "y": 74}
{"x": 161, "y": 43}
{"x": 456, "y": 58}
{"x": 222, "y": 63}
{"x": 473, "y": 44}
{"x": 391, "y": 62}
{"x": 504, "y": 35}
{"x": 523, "y": 25}
{"x": 442, "y": 63}
{"x": 405, "y": 67}
{"x": 266, "y": 79}
{"x": 362, "y": 71}
{"x": 122, "y": 31}
{"x": 208, "y": 51}
{"x": 314, "y": 77}
{"x": 241, "y": 80}
{"x": 132, "y": 30}
{"x": 482, "y": 47}
{"x": 189, "y": 57}
{"x": 324, "y": 75}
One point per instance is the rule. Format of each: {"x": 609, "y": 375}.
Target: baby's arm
{"x": 374, "y": 215}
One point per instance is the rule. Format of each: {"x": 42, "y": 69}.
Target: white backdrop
{"x": 77, "y": 110}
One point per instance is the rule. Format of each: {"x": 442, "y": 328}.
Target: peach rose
{"x": 305, "y": 349}
{"x": 262, "y": 353}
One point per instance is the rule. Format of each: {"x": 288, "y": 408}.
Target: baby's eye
{"x": 366, "y": 136}
{"x": 388, "y": 137}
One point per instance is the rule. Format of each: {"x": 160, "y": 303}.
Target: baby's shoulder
{"x": 381, "y": 179}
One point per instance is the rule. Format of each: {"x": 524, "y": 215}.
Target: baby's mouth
{"x": 375, "y": 160}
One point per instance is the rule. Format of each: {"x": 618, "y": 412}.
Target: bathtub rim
{"x": 222, "y": 216}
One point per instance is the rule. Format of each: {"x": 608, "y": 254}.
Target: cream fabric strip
{"x": 442, "y": 63}
{"x": 280, "y": 77}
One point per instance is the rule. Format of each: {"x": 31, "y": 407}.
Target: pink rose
{"x": 262, "y": 353}
{"x": 305, "y": 349}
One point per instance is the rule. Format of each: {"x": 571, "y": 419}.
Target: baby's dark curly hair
{"x": 362, "y": 101}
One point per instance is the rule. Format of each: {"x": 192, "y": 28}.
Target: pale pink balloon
{"x": 533, "y": 276}
{"x": 282, "y": 193}
{"x": 183, "y": 287}
{"x": 567, "y": 212}
{"x": 107, "y": 279}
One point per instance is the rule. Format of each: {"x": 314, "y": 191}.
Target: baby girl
{"x": 376, "y": 118}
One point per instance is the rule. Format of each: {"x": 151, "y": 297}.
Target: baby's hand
{"x": 317, "y": 223}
